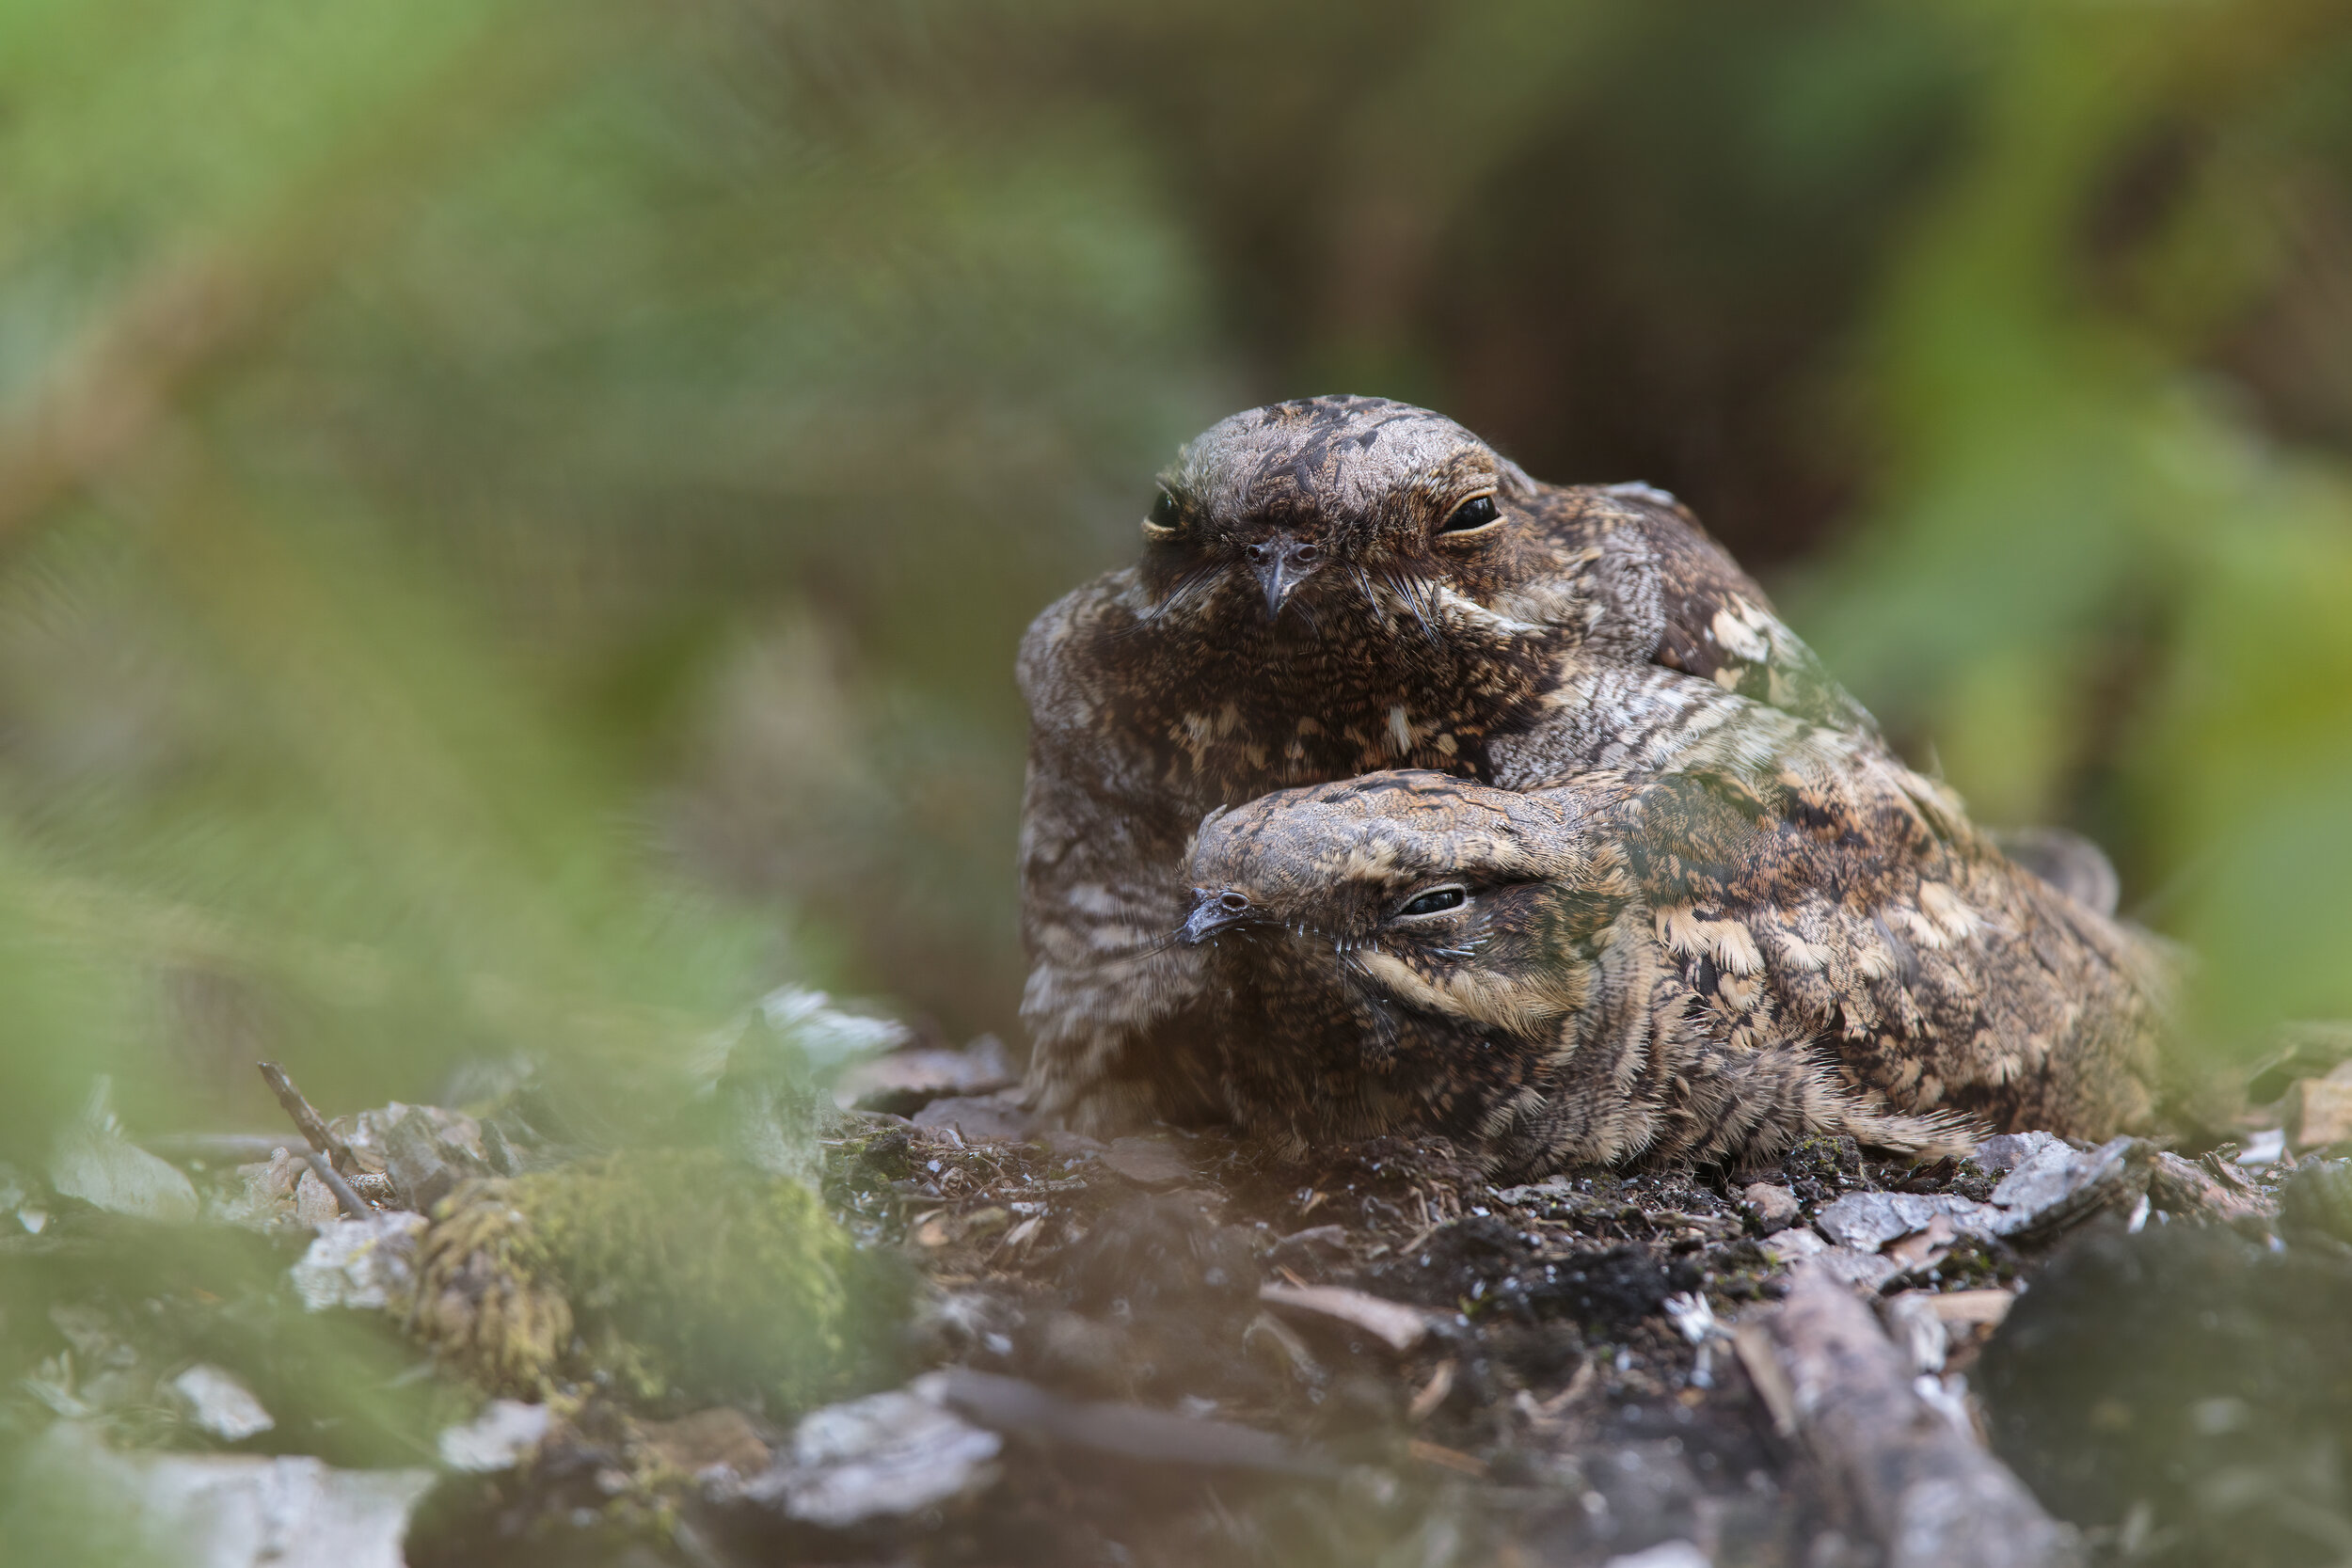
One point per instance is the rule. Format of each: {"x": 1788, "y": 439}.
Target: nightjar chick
{"x": 1330, "y": 587}
{"x": 1670, "y": 966}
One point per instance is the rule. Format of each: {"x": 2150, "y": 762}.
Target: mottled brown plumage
{"x": 1327, "y": 588}
{"x": 1690, "y": 964}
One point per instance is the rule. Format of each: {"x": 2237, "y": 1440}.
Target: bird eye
{"x": 1163, "y": 517}
{"x": 1472, "y": 515}
{"x": 1437, "y": 900}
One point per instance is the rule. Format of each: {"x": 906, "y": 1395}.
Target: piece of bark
{"x": 1930, "y": 1496}
{"x": 2180, "y": 1186}
{"x": 2004, "y": 1153}
{"x": 2056, "y": 1185}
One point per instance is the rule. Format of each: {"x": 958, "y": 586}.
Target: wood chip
{"x": 1755, "y": 1348}
{"x": 1447, "y": 1459}
{"x": 1433, "y": 1392}
{"x": 1398, "y": 1326}
{"x": 1972, "y": 1307}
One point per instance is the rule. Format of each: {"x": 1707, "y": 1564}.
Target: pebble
{"x": 1771, "y": 1206}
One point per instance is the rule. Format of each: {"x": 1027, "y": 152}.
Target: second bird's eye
{"x": 1163, "y": 517}
{"x": 1472, "y": 515}
{"x": 1437, "y": 901}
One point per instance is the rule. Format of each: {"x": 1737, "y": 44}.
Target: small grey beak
{"x": 1282, "y": 565}
{"x": 1214, "y": 911}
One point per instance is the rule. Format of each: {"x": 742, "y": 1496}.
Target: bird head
{"x": 1407, "y": 901}
{"x": 1277, "y": 513}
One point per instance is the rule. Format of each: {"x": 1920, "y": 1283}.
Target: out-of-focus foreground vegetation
{"x": 516, "y": 516}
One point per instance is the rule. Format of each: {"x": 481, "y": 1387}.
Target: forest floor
{"x": 1182, "y": 1349}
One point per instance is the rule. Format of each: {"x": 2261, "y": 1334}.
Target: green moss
{"x": 667, "y": 1275}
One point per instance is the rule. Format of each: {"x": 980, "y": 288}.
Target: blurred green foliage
{"x": 517, "y": 516}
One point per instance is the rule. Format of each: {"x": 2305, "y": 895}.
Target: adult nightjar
{"x": 1326, "y": 588}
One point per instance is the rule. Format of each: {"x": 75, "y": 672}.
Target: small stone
{"x": 1065, "y": 1144}
{"x": 886, "y": 1455}
{"x": 977, "y": 1116}
{"x": 367, "y": 1264}
{"x": 368, "y": 1133}
{"x": 1771, "y": 1206}
{"x": 505, "y": 1433}
{"x": 1866, "y": 1271}
{"x": 1147, "y": 1161}
{"x": 1867, "y": 1221}
{"x": 2318, "y": 1113}
{"x": 230, "y": 1511}
{"x": 314, "y": 1201}
{"x": 1794, "y": 1245}
{"x": 427, "y": 1154}
{"x": 219, "y": 1404}
{"x": 719, "y": 1438}
{"x": 2059, "y": 1184}
{"x": 2004, "y": 1153}
{"x": 265, "y": 1191}
{"x": 1550, "y": 1189}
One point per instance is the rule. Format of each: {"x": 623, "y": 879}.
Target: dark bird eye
{"x": 1163, "y": 515}
{"x": 1473, "y": 514}
{"x": 1436, "y": 901}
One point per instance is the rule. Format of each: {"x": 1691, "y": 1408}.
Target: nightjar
{"x": 1681, "y": 965}
{"x": 1329, "y": 587}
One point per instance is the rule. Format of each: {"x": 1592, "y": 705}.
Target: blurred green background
{"x": 516, "y": 516}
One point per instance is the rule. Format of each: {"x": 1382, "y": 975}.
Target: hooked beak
{"x": 1281, "y": 564}
{"x": 1214, "y": 911}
